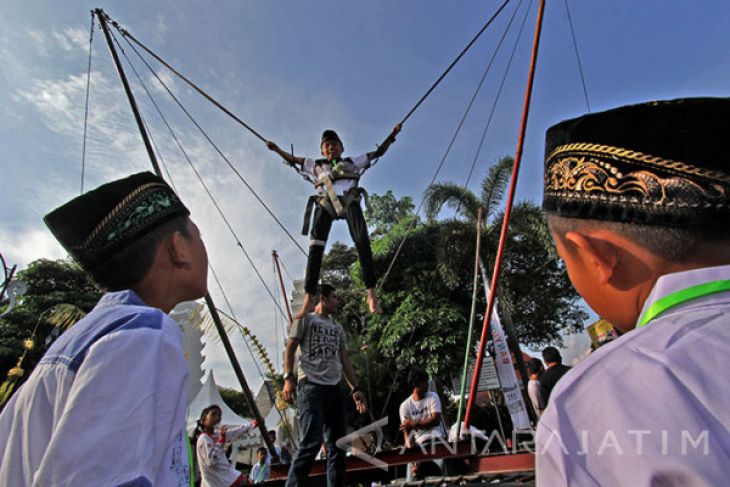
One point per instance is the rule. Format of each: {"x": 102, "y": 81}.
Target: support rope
{"x": 507, "y": 213}
{"x": 443, "y": 158}
{"x": 86, "y": 104}
{"x": 499, "y": 92}
{"x": 217, "y": 149}
{"x": 577, "y": 55}
{"x": 197, "y": 174}
{"x": 453, "y": 63}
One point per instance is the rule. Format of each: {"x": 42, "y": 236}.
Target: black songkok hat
{"x": 658, "y": 163}
{"x": 329, "y": 135}
{"x": 97, "y": 224}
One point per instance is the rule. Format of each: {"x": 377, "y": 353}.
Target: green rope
{"x": 472, "y": 313}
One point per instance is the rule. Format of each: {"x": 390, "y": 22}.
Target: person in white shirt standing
{"x": 534, "y": 370}
{"x": 105, "y": 406}
{"x": 215, "y": 468}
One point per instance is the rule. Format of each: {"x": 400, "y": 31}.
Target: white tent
{"x": 207, "y": 396}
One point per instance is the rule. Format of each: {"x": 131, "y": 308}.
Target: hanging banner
{"x": 507, "y": 376}
{"x": 506, "y": 369}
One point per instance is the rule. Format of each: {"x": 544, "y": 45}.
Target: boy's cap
{"x": 658, "y": 163}
{"x": 97, "y": 224}
{"x": 330, "y": 135}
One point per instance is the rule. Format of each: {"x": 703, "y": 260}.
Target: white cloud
{"x": 22, "y": 248}
{"x": 38, "y": 39}
{"x": 71, "y": 39}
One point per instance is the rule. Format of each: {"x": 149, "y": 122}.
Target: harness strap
{"x": 332, "y": 194}
{"x": 353, "y": 196}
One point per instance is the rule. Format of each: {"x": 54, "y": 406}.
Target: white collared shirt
{"x": 653, "y": 406}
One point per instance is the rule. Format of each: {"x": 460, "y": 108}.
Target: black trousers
{"x": 318, "y": 238}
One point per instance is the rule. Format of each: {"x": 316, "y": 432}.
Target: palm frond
{"x": 203, "y": 321}
{"x": 64, "y": 315}
{"x": 531, "y": 214}
{"x": 452, "y": 195}
{"x": 494, "y": 185}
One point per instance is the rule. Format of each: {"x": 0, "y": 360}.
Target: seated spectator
{"x": 421, "y": 423}
{"x": 261, "y": 471}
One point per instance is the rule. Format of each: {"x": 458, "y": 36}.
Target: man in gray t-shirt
{"x": 318, "y": 342}
{"x": 321, "y": 342}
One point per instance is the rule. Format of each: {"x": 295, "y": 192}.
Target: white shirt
{"x": 260, "y": 473}
{"x": 104, "y": 407}
{"x": 653, "y": 406}
{"x": 359, "y": 164}
{"x": 427, "y": 406}
{"x": 215, "y": 469}
{"x": 533, "y": 390}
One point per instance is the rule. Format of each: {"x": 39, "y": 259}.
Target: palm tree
{"x": 467, "y": 205}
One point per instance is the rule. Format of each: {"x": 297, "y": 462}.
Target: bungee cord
{"x": 499, "y": 90}
{"x": 412, "y": 224}
{"x": 577, "y": 56}
{"x": 197, "y": 174}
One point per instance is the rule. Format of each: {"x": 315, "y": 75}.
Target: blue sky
{"x": 292, "y": 68}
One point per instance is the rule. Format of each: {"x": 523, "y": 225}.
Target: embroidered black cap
{"x": 658, "y": 163}
{"x": 97, "y": 224}
{"x": 330, "y": 135}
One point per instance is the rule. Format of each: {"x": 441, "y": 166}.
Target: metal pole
{"x": 281, "y": 283}
{"x": 208, "y": 300}
{"x": 507, "y": 213}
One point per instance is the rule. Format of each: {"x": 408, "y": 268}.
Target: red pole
{"x": 281, "y": 283}
{"x": 505, "y": 222}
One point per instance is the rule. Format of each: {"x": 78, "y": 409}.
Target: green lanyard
{"x": 682, "y": 296}
{"x": 191, "y": 464}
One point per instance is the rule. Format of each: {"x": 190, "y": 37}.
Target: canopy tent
{"x": 209, "y": 395}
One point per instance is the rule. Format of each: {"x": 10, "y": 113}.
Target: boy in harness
{"x": 338, "y": 197}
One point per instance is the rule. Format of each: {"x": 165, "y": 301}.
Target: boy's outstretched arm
{"x": 287, "y": 157}
{"x": 382, "y": 149}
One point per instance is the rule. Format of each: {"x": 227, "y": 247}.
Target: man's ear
{"x": 178, "y": 250}
{"x": 599, "y": 255}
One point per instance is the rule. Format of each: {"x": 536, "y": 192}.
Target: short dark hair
{"x": 324, "y": 290}
{"x": 272, "y": 432}
{"x": 552, "y": 355}
{"x": 416, "y": 376}
{"x": 671, "y": 243}
{"x": 129, "y": 266}
{"x": 262, "y": 449}
{"x": 534, "y": 366}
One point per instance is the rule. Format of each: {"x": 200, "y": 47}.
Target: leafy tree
{"x": 530, "y": 258}
{"x": 235, "y": 400}
{"x": 50, "y": 283}
{"x": 388, "y": 211}
{"x": 427, "y": 295}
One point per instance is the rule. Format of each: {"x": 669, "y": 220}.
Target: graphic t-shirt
{"x": 321, "y": 342}
{"x": 420, "y": 410}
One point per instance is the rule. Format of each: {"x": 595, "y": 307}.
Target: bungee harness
{"x": 326, "y": 195}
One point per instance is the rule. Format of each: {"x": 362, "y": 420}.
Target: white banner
{"x": 506, "y": 369}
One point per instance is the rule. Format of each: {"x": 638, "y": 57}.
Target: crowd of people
{"x": 637, "y": 200}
